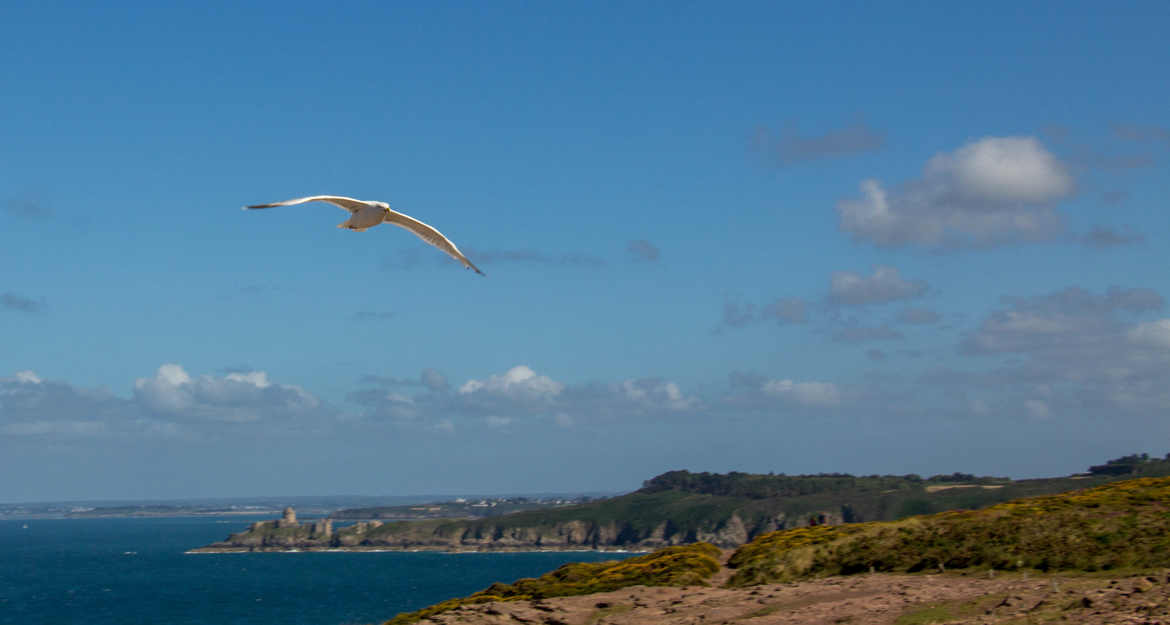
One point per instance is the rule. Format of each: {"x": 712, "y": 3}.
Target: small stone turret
{"x": 289, "y": 519}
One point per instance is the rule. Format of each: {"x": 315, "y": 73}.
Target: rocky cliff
{"x": 489, "y": 535}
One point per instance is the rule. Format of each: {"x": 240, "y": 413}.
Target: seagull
{"x": 366, "y": 214}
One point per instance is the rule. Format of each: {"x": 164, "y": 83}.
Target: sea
{"x": 135, "y": 570}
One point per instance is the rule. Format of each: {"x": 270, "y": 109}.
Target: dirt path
{"x": 862, "y": 600}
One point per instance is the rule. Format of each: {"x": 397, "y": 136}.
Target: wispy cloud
{"x": 20, "y": 303}
{"x": 28, "y": 209}
{"x": 429, "y": 378}
{"x": 883, "y": 286}
{"x": 918, "y": 316}
{"x": 785, "y": 310}
{"x": 642, "y": 250}
{"x": 1094, "y": 154}
{"x": 1075, "y": 350}
{"x": 1142, "y": 133}
{"x": 1106, "y": 237}
{"x": 790, "y": 147}
{"x": 758, "y": 392}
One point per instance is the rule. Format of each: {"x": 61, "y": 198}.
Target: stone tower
{"x": 289, "y": 519}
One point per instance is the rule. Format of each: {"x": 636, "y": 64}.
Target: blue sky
{"x": 903, "y": 238}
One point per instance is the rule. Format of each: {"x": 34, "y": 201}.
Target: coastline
{"x": 385, "y": 549}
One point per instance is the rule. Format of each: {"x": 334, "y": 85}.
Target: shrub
{"x": 673, "y": 566}
{"x": 1118, "y": 525}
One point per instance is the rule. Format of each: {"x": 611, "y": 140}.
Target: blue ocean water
{"x": 125, "y": 571}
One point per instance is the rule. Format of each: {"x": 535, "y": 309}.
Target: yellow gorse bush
{"x": 1118, "y": 525}
{"x": 673, "y": 566}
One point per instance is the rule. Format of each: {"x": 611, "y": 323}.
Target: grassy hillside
{"x": 685, "y": 507}
{"x": 674, "y": 566}
{"x": 1116, "y": 526}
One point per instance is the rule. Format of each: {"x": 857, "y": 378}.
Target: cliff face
{"x": 485, "y": 535}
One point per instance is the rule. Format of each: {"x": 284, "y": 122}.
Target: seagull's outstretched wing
{"x": 430, "y": 236}
{"x": 347, "y": 203}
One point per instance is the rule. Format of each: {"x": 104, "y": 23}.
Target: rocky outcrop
{"x": 500, "y": 535}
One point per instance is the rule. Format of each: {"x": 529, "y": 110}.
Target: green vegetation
{"x": 673, "y": 566}
{"x": 1133, "y": 464}
{"x": 613, "y": 610}
{"x": 947, "y": 611}
{"x": 681, "y": 507}
{"x": 1116, "y": 526}
{"x": 687, "y": 507}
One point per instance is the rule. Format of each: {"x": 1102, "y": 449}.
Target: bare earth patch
{"x": 938, "y": 487}
{"x": 876, "y": 599}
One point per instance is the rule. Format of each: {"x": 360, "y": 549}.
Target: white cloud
{"x": 398, "y": 398}
{"x": 1003, "y": 169}
{"x": 521, "y": 395}
{"x": 654, "y": 393}
{"x": 28, "y": 377}
{"x": 519, "y": 381}
{"x": 30, "y": 406}
{"x": 259, "y": 379}
{"x": 236, "y": 397}
{"x": 1077, "y": 349}
{"x": 806, "y": 393}
{"x": 1151, "y": 334}
{"x": 994, "y": 190}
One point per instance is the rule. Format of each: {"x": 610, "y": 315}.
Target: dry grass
{"x": 1119, "y": 525}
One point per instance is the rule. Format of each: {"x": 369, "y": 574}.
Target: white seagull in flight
{"x": 366, "y": 214}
